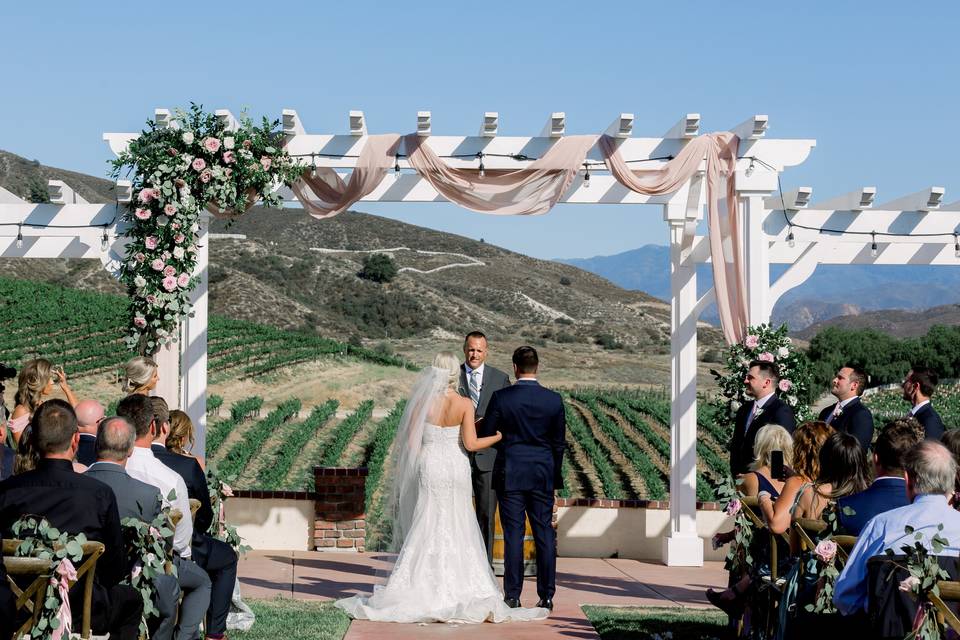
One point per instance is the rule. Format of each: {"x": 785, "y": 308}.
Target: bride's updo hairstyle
{"x": 446, "y": 360}
{"x": 137, "y": 374}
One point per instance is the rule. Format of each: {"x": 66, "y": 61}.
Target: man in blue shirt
{"x": 889, "y": 489}
{"x": 930, "y": 471}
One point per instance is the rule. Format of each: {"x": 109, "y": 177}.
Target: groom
{"x": 527, "y": 471}
{"x": 478, "y": 381}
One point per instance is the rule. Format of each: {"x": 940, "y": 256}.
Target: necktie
{"x": 833, "y": 416}
{"x": 475, "y": 387}
{"x": 753, "y": 414}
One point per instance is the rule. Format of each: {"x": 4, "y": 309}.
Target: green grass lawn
{"x": 636, "y": 623}
{"x": 286, "y": 619}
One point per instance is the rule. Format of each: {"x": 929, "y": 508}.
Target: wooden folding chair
{"x": 194, "y": 507}
{"x": 85, "y": 571}
{"x": 31, "y": 597}
{"x": 949, "y": 592}
{"x": 751, "y": 507}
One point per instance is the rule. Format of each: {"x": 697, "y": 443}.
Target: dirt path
{"x": 582, "y": 477}
{"x": 630, "y": 481}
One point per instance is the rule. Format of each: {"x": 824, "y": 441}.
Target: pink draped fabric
{"x": 65, "y": 574}
{"x": 720, "y": 152}
{"x": 529, "y": 191}
{"x": 323, "y": 192}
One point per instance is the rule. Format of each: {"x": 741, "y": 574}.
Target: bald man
{"x": 89, "y": 415}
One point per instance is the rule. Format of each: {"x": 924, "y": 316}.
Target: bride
{"x": 441, "y": 573}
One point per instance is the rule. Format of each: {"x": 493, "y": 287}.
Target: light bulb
{"x": 791, "y": 241}
{"x": 396, "y": 167}
{"x": 749, "y": 171}
{"x": 104, "y": 242}
{"x": 873, "y": 246}
{"x": 586, "y": 176}
{"x": 482, "y": 171}
{"x": 19, "y": 238}
{"x": 956, "y": 247}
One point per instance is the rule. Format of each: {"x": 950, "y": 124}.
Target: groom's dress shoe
{"x": 545, "y": 604}
{"x": 513, "y": 603}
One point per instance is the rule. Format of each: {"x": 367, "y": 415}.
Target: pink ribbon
{"x": 66, "y": 573}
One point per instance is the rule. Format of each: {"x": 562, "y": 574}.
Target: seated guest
{"x": 77, "y": 504}
{"x": 770, "y": 438}
{"x": 115, "y": 440}
{"x": 27, "y": 455}
{"x": 8, "y": 603}
{"x": 217, "y": 557}
{"x": 951, "y": 440}
{"x": 34, "y": 385}
{"x": 848, "y": 414}
{"x": 7, "y": 455}
{"x": 918, "y": 388}
{"x": 187, "y": 466}
{"x": 89, "y": 415}
{"x": 140, "y": 376}
{"x": 182, "y": 436}
{"x": 930, "y": 472}
{"x": 843, "y": 471}
{"x": 889, "y": 489}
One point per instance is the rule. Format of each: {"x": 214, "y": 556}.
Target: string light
{"x": 791, "y": 241}
{"x": 104, "y": 241}
{"x": 396, "y": 166}
{"x": 749, "y": 171}
{"x": 586, "y": 175}
{"x": 19, "y": 236}
{"x": 482, "y": 171}
{"x": 873, "y": 244}
{"x": 956, "y": 246}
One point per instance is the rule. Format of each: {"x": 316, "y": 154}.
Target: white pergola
{"x": 767, "y": 239}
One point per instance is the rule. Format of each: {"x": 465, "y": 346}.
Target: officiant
{"x": 478, "y": 381}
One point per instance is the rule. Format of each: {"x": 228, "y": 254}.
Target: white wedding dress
{"x": 441, "y": 574}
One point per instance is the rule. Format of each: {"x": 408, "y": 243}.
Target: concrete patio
{"x": 311, "y": 575}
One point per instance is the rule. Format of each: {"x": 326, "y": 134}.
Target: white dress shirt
{"x": 479, "y": 371}
{"x": 913, "y": 410}
{"x": 145, "y": 467}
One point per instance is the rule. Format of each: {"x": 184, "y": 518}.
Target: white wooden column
{"x": 682, "y": 546}
{"x": 193, "y": 343}
{"x": 756, "y": 257}
{"x": 168, "y": 362}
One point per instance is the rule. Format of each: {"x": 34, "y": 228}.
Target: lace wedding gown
{"x": 441, "y": 574}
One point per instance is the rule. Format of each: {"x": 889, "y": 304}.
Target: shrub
{"x": 378, "y": 267}
{"x": 607, "y": 341}
{"x": 565, "y": 281}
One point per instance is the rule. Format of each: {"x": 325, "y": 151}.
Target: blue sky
{"x": 874, "y": 83}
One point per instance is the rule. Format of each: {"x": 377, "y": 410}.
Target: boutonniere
{"x": 838, "y": 412}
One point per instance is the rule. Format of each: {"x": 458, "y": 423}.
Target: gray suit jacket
{"x": 493, "y": 380}
{"x": 135, "y": 499}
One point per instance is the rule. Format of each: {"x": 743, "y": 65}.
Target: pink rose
{"x": 155, "y": 532}
{"x": 142, "y": 214}
{"x": 199, "y": 164}
{"x": 751, "y": 342}
{"x": 179, "y": 238}
{"x": 139, "y": 321}
{"x": 140, "y": 258}
{"x": 151, "y": 299}
{"x": 206, "y": 176}
{"x": 183, "y": 280}
{"x": 247, "y": 144}
{"x": 265, "y": 162}
{"x": 766, "y": 356}
{"x": 170, "y": 283}
{"x": 733, "y": 507}
{"x": 211, "y": 144}
{"x": 147, "y": 195}
{"x": 150, "y": 242}
{"x": 225, "y": 490}
{"x": 228, "y": 172}
{"x": 169, "y": 270}
{"x": 175, "y": 225}
{"x": 157, "y": 265}
{"x": 826, "y": 550}
{"x": 909, "y": 584}
{"x": 170, "y": 209}
{"x": 785, "y": 385}
{"x": 229, "y": 157}
{"x": 135, "y": 571}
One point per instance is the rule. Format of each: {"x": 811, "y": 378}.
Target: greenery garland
{"x": 763, "y": 342}
{"x": 149, "y": 545}
{"x": 40, "y": 539}
{"x": 177, "y": 171}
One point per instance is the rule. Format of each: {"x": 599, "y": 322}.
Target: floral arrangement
{"x": 739, "y": 560}
{"x": 219, "y": 528}
{"x": 149, "y": 546}
{"x": 925, "y": 571}
{"x": 825, "y": 556}
{"x": 177, "y": 171}
{"x": 39, "y": 539}
{"x": 764, "y": 343}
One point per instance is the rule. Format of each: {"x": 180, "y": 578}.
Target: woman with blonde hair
{"x": 182, "y": 436}
{"x": 34, "y": 384}
{"x": 770, "y": 438}
{"x": 140, "y": 376}
{"x": 441, "y": 573}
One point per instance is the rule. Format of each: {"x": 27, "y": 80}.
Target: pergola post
{"x": 682, "y": 546}
{"x": 756, "y": 258}
{"x": 193, "y": 342}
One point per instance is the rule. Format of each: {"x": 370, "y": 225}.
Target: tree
{"x": 37, "y": 191}
{"x": 378, "y": 267}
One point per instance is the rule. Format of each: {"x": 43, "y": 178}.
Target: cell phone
{"x": 777, "y": 471}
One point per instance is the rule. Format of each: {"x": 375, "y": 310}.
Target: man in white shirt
{"x": 145, "y": 467}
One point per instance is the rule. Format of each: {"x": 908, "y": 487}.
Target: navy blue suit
{"x": 527, "y": 471}
{"x": 930, "y": 419}
{"x": 774, "y": 411}
{"x": 883, "y": 495}
{"x": 855, "y": 418}
{"x": 7, "y": 459}
{"x": 87, "y": 449}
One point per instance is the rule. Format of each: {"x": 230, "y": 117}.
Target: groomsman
{"x": 918, "y": 388}
{"x": 761, "y": 384}
{"x": 478, "y": 381}
{"x": 848, "y": 414}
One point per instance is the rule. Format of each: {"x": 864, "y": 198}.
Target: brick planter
{"x": 340, "y": 523}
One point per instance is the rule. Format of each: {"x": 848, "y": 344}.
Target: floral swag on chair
{"x": 177, "y": 171}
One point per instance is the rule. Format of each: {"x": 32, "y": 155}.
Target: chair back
{"x": 29, "y": 598}
{"x": 891, "y": 612}
{"x": 194, "y": 507}
{"x": 949, "y": 595}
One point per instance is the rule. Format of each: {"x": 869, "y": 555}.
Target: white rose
{"x": 192, "y": 249}
{"x": 178, "y": 253}
{"x": 195, "y": 227}
{"x": 187, "y": 137}
{"x": 229, "y": 142}
{"x": 783, "y": 352}
{"x": 140, "y": 281}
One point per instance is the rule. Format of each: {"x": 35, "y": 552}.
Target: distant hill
{"x": 833, "y": 290}
{"x": 896, "y": 322}
{"x": 28, "y": 180}
{"x": 292, "y": 271}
